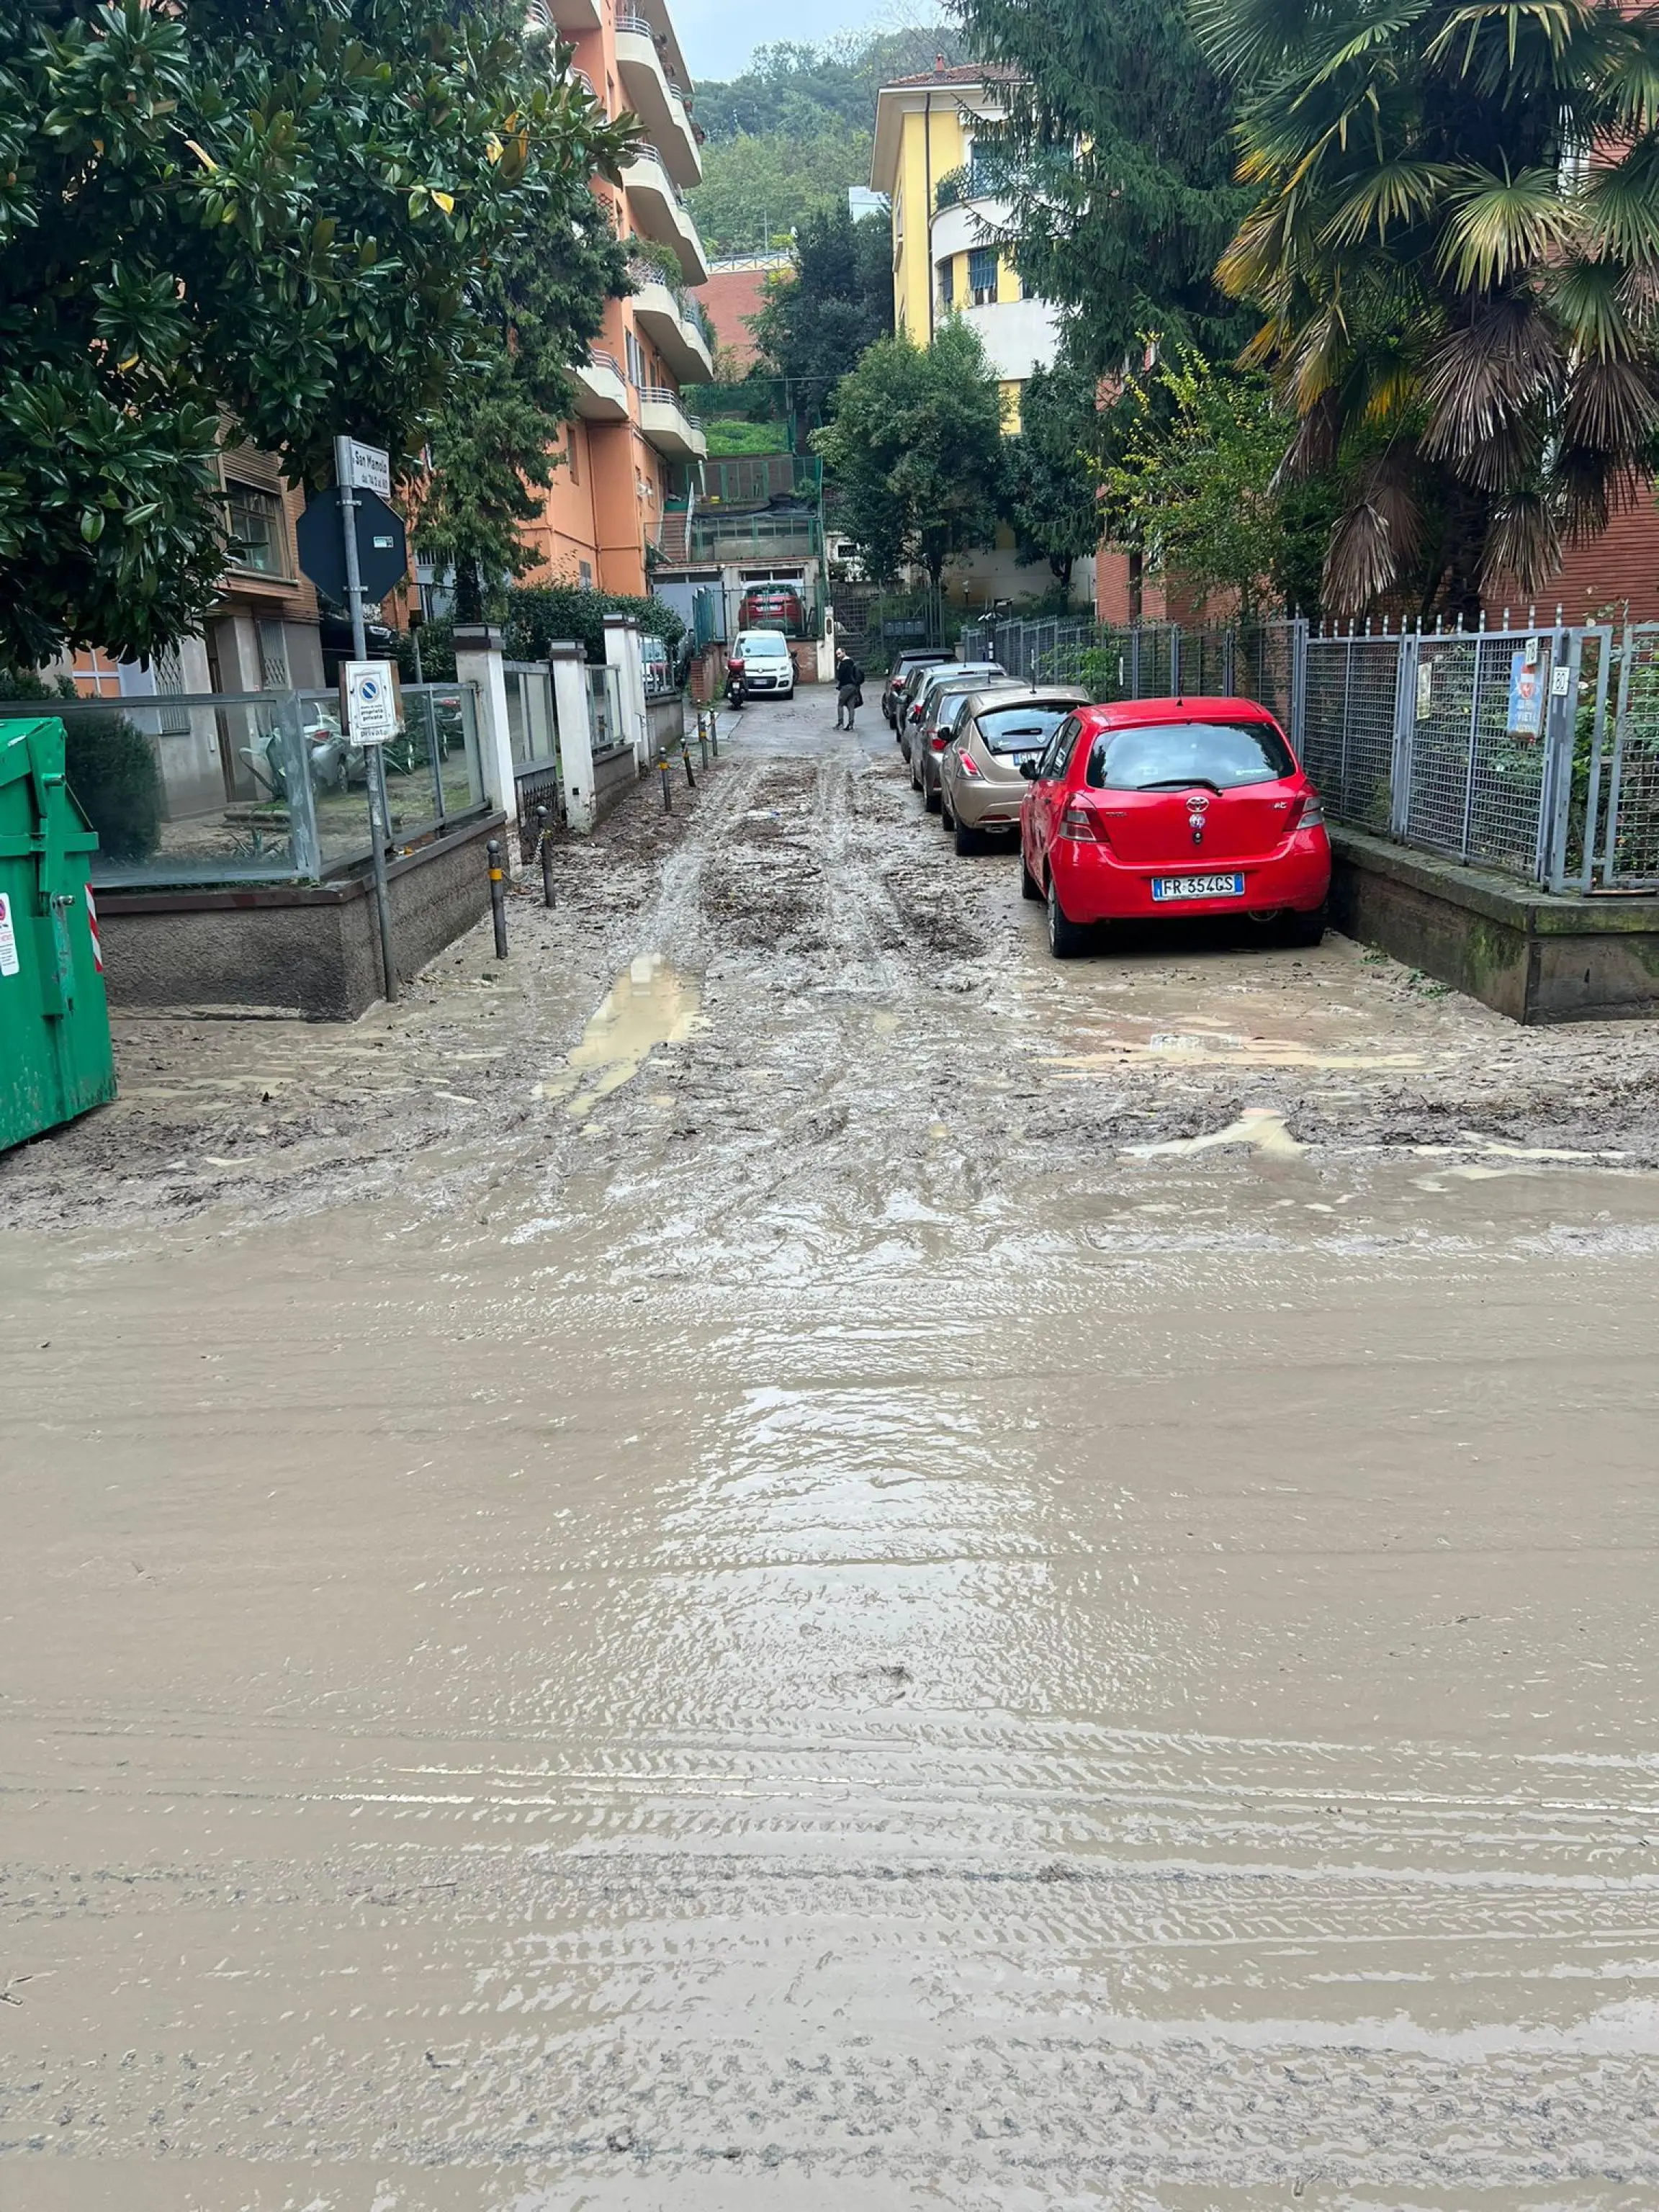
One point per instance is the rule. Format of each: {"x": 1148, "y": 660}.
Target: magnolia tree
{"x": 300, "y": 220}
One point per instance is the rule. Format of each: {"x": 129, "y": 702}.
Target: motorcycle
{"x": 734, "y": 690}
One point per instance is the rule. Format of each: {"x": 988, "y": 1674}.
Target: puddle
{"x": 650, "y": 1004}
{"x": 1258, "y": 1129}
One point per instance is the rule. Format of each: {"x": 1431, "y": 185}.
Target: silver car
{"x": 981, "y": 779}
{"x": 945, "y": 702}
{"x": 912, "y": 699}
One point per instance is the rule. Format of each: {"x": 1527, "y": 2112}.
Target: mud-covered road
{"x": 786, "y": 1556}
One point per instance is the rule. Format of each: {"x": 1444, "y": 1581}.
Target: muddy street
{"x": 788, "y": 1555}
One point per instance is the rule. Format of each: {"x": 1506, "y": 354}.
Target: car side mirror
{"x": 1028, "y": 768}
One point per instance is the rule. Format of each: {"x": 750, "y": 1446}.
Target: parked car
{"x": 945, "y": 704}
{"x": 913, "y": 657}
{"x": 760, "y": 658}
{"x": 1156, "y": 807}
{"x": 920, "y": 683}
{"x": 771, "y": 606}
{"x": 993, "y": 734}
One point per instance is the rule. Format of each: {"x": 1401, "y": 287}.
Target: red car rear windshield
{"x": 1171, "y": 756}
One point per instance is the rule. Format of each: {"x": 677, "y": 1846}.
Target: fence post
{"x": 1598, "y": 745}
{"x": 478, "y": 660}
{"x": 1405, "y": 736}
{"x": 568, "y": 664}
{"x": 544, "y": 846}
{"x": 1299, "y": 683}
{"x": 1550, "y": 866}
{"x": 1175, "y": 660}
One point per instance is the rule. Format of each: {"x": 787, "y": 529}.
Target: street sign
{"x": 370, "y": 688}
{"x": 367, "y": 467}
{"x": 382, "y": 546}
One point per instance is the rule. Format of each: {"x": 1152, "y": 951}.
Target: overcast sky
{"x": 718, "y": 38}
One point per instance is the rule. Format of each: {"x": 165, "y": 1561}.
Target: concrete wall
{"x": 312, "y": 949}
{"x": 664, "y": 723}
{"x": 614, "y": 775}
{"x": 1532, "y": 956}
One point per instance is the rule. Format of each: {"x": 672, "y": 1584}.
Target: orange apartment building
{"x": 630, "y": 456}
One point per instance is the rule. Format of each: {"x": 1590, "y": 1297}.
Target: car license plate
{"x": 1025, "y": 760}
{"x": 1198, "y": 887}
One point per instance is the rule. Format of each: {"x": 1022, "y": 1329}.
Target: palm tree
{"x": 1456, "y": 251}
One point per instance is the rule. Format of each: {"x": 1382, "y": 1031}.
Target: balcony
{"x": 657, "y": 211}
{"x": 573, "y": 17}
{"x": 674, "y": 323}
{"x": 656, "y": 99}
{"x": 757, "y": 479}
{"x": 787, "y": 538}
{"x": 669, "y": 427}
{"x": 601, "y": 393}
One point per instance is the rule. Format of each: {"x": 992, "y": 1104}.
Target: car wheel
{"x": 947, "y": 820}
{"x": 967, "y": 840}
{"x": 1028, "y": 886}
{"x": 1065, "y": 939}
{"x": 932, "y": 797}
{"x": 915, "y": 770}
{"x": 1307, "y": 928}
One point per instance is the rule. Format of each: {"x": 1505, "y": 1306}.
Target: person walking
{"x": 849, "y": 679}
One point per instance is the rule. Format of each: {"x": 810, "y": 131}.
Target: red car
{"x": 1172, "y": 807}
{"x": 771, "y": 606}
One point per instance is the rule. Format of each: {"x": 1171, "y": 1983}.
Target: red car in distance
{"x": 1155, "y": 807}
{"x": 771, "y": 606}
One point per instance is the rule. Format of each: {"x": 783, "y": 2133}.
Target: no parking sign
{"x": 371, "y": 694}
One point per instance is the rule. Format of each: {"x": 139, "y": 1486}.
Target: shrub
{"x": 112, "y": 773}
{"x": 537, "y": 614}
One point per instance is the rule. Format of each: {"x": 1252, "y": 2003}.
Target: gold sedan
{"x": 981, "y": 779}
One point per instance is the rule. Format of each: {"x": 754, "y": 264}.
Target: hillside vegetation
{"x": 794, "y": 132}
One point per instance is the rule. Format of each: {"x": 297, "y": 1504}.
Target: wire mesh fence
{"x": 1501, "y": 747}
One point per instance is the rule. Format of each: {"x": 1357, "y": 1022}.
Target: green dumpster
{"x": 55, "y": 1058}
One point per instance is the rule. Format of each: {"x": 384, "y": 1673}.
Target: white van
{"x": 762, "y": 658}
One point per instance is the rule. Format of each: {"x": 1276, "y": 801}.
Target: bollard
{"x": 667, "y": 789}
{"x": 714, "y": 732}
{"x": 497, "y": 896}
{"x": 545, "y": 848}
{"x": 702, "y": 744}
{"x": 685, "y": 755}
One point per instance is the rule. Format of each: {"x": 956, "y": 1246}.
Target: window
{"x": 273, "y": 656}
{"x": 636, "y": 375}
{"x": 982, "y": 275}
{"x": 585, "y": 574}
{"x": 1170, "y": 755}
{"x": 255, "y": 521}
{"x": 1052, "y": 766}
{"x": 947, "y": 280}
{"x": 1020, "y": 729}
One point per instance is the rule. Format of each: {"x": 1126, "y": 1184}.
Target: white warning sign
{"x": 9, "y": 962}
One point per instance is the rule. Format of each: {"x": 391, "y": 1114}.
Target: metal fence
{"x": 1154, "y": 660}
{"x": 203, "y": 788}
{"x": 1531, "y": 749}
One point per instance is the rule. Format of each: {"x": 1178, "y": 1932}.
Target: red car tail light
{"x": 1083, "y": 825}
{"x": 969, "y": 765}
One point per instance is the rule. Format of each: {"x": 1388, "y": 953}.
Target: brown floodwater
{"x": 800, "y": 1610}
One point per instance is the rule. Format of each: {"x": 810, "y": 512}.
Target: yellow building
{"x": 949, "y": 227}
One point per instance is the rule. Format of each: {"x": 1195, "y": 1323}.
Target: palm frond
{"x": 1502, "y": 225}
{"x": 1553, "y": 22}
{"x": 1315, "y": 445}
{"x": 1488, "y": 372}
{"x": 1620, "y": 205}
{"x": 1523, "y": 542}
{"x": 1611, "y": 409}
{"x": 1395, "y": 193}
{"x": 1379, "y": 30}
{"x": 1598, "y": 304}
{"x": 1629, "y": 75}
{"x": 1377, "y": 538}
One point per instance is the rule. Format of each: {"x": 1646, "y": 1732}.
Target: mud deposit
{"x": 790, "y": 1557}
